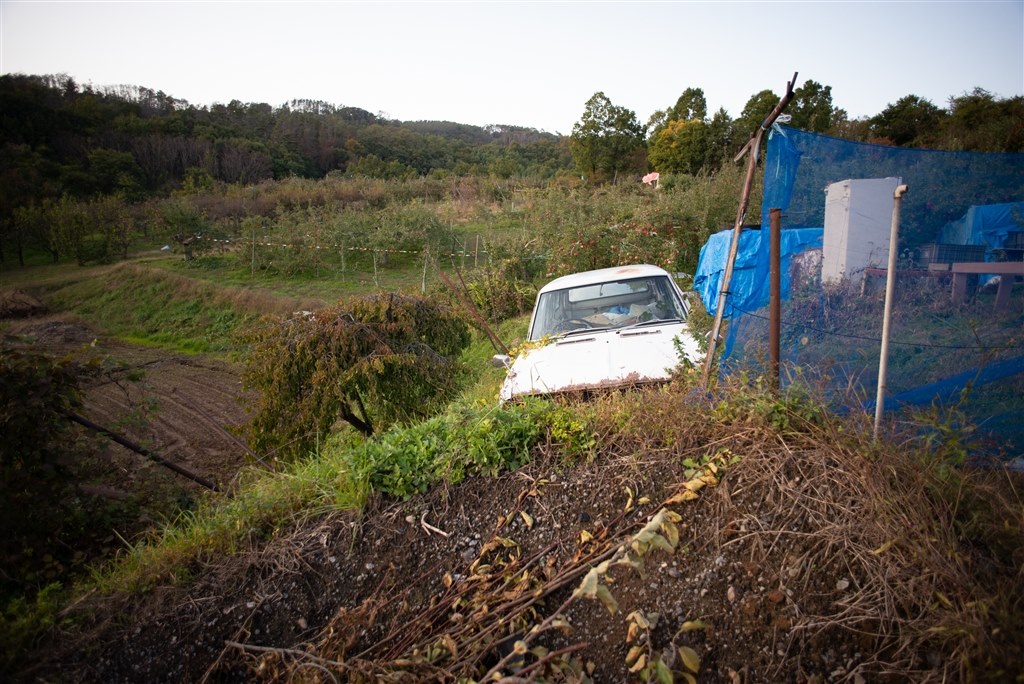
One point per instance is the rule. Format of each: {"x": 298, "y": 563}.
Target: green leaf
{"x": 664, "y": 674}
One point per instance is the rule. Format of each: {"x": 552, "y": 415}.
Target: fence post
{"x": 890, "y": 287}
{"x": 775, "y": 287}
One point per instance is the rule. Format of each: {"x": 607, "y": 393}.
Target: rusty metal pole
{"x": 775, "y": 287}
{"x": 752, "y": 148}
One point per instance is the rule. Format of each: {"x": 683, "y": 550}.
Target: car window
{"x": 599, "y": 306}
{"x": 622, "y": 287}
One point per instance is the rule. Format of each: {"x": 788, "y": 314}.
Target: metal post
{"x": 775, "y": 288}
{"x": 890, "y": 287}
{"x": 752, "y": 148}
{"x": 423, "y": 283}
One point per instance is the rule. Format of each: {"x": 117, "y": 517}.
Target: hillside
{"x": 808, "y": 558}
{"x": 801, "y": 551}
{"x": 663, "y": 535}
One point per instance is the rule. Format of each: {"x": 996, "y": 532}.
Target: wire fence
{"x": 958, "y": 361}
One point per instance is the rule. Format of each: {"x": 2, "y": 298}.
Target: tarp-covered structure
{"x": 993, "y": 225}
{"x": 954, "y": 365}
{"x": 749, "y": 284}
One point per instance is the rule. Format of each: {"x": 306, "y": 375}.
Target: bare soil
{"x": 184, "y": 409}
{"x": 366, "y": 589}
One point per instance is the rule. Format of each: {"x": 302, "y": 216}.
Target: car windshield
{"x": 612, "y": 304}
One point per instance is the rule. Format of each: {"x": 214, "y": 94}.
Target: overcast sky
{"x": 531, "y": 64}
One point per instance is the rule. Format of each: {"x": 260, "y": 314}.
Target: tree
{"x": 680, "y": 138}
{"x": 680, "y": 147}
{"x": 35, "y": 225}
{"x": 979, "y": 122}
{"x": 849, "y": 129}
{"x": 812, "y": 108}
{"x": 71, "y": 229}
{"x": 370, "y": 361}
{"x": 607, "y": 139}
{"x": 757, "y": 109}
{"x": 912, "y": 120}
{"x": 719, "y": 140}
{"x": 691, "y": 105}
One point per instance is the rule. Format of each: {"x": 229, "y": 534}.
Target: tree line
{"x": 683, "y": 138}
{"x": 80, "y": 167}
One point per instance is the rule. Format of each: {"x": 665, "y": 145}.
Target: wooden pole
{"x": 775, "y": 287}
{"x": 471, "y": 308}
{"x": 753, "y": 148}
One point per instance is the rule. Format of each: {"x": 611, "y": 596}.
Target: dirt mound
{"x": 798, "y": 562}
{"x": 18, "y": 304}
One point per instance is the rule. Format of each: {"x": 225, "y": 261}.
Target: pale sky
{"x": 532, "y": 64}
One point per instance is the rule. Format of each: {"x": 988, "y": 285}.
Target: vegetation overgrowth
{"x": 921, "y": 555}
{"x": 262, "y": 218}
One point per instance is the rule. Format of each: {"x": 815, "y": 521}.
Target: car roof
{"x": 603, "y": 275}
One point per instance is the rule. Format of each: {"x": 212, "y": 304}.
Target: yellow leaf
{"x": 527, "y": 518}
{"x": 691, "y": 625}
{"x": 561, "y": 624}
{"x": 884, "y": 547}
{"x": 607, "y": 599}
{"x": 447, "y": 580}
{"x": 690, "y": 658}
{"x": 644, "y": 500}
{"x": 682, "y": 497}
{"x": 695, "y": 485}
{"x": 640, "y": 663}
{"x": 638, "y": 618}
{"x": 634, "y": 653}
{"x": 631, "y": 632}
{"x": 588, "y": 587}
{"x": 672, "y": 534}
{"x": 585, "y": 537}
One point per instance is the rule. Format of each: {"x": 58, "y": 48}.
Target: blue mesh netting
{"x": 946, "y": 362}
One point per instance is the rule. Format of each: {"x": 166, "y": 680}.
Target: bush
{"x": 371, "y": 361}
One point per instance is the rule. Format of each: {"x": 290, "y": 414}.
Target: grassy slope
{"x": 168, "y": 309}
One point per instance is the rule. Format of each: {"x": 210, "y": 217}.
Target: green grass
{"x": 332, "y": 284}
{"x": 147, "y": 307}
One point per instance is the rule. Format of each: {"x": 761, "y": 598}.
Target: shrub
{"x": 371, "y": 361}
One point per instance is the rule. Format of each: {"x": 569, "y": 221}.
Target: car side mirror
{"x": 501, "y": 360}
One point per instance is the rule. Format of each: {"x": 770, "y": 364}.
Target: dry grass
{"x": 819, "y": 556}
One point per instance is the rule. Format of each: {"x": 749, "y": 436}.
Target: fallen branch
{"x": 142, "y": 451}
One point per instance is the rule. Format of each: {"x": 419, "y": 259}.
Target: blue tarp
{"x": 749, "y": 288}
{"x": 986, "y": 224}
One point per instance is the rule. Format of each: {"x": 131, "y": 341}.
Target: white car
{"x": 608, "y": 328}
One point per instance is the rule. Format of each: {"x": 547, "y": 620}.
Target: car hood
{"x": 599, "y": 359}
